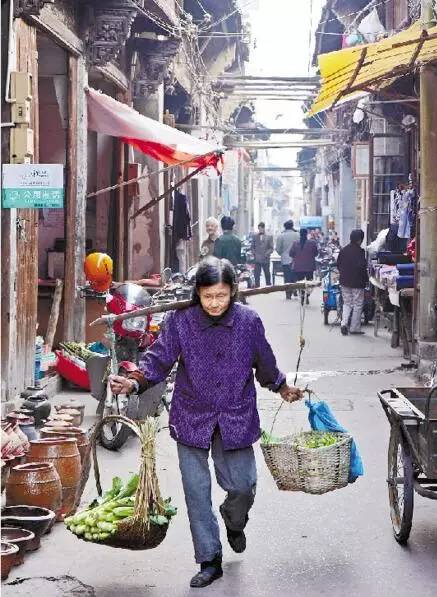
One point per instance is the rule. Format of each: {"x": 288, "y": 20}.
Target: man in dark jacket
{"x": 352, "y": 266}
{"x": 262, "y": 247}
{"x": 228, "y": 246}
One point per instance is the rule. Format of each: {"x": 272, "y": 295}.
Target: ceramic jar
{"x": 73, "y": 413}
{"x": 83, "y": 441}
{"x": 24, "y": 423}
{"x": 34, "y": 484}
{"x": 40, "y": 406}
{"x": 66, "y": 418}
{"x": 76, "y": 405}
{"x": 63, "y": 453}
{"x": 57, "y": 424}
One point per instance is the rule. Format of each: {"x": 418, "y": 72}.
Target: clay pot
{"x": 62, "y": 452}
{"x": 16, "y": 417}
{"x": 35, "y": 484}
{"x": 76, "y": 405}
{"x": 25, "y": 540}
{"x": 12, "y": 443}
{"x": 82, "y": 438}
{"x": 63, "y": 424}
{"x": 67, "y": 418}
{"x": 9, "y": 553}
{"x": 71, "y": 412}
{"x": 32, "y": 518}
{"x": 5, "y": 474}
{"x": 40, "y": 406}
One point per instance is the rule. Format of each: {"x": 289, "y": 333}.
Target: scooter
{"x": 126, "y": 341}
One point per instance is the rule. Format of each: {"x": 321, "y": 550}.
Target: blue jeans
{"x": 235, "y": 471}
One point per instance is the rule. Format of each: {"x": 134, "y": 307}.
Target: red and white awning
{"x": 164, "y": 143}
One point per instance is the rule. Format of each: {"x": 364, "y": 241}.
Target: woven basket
{"x": 311, "y": 470}
{"x": 134, "y": 532}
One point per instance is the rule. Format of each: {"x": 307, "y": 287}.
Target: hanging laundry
{"x": 181, "y": 217}
{"x": 404, "y": 223}
{"x": 395, "y": 199}
{"x": 412, "y": 210}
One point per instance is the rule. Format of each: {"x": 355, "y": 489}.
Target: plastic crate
{"x": 72, "y": 372}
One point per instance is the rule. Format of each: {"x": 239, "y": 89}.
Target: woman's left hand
{"x": 290, "y": 393}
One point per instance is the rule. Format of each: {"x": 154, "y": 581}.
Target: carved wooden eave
{"x": 154, "y": 57}
{"x": 109, "y": 29}
{"x": 24, "y": 8}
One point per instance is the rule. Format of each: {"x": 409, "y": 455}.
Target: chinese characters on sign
{"x": 33, "y": 186}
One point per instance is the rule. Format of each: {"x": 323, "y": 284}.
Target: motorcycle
{"x": 126, "y": 341}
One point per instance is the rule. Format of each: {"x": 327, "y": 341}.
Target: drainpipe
{"x": 427, "y": 312}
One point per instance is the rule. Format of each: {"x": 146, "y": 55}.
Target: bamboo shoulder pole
{"x": 177, "y": 305}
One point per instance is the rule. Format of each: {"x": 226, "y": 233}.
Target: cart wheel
{"x": 400, "y": 485}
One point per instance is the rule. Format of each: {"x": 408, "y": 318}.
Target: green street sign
{"x": 34, "y": 186}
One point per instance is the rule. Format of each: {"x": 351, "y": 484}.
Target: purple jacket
{"x": 214, "y": 382}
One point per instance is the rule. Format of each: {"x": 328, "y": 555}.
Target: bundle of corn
{"x": 133, "y": 516}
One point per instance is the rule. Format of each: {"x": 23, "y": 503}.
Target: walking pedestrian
{"x": 228, "y": 245}
{"x": 284, "y": 243}
{"x": 304, "y": 253}
{"x": 262, "y": 247}
{"x": 352, "y": 265}
{"x": 218, "y": 344}
{"x": 212, "y": 230}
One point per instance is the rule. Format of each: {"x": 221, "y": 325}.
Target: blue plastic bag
{"x": 321, "y": 419}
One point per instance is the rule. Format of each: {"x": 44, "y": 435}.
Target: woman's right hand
{"x": 121, "y": 385}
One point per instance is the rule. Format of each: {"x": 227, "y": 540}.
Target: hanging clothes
{"x": 412, "y": 210}
{"x": 395, "y": 200}
{"x": 181, "y": 218}
{"x": 404, "y": 222}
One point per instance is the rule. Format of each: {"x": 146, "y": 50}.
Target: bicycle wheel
{"x": 400, "y": 485}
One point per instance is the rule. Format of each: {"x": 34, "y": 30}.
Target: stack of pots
{"x": 63, "y": 453}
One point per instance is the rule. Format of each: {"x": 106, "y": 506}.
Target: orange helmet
{"x": 98, "y": 271}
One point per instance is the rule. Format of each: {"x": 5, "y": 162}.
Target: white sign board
{"x": 33, "y": 186}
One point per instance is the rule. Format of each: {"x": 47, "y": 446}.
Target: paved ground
{"x": 335, "y": 545}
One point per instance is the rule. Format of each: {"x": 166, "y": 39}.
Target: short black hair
{"x": 357, "y": 236}
{"x": 261, "y": 225}
{"x": 227, "y": 223}
{"x": 289, "y": 225}
{"x": 211, "y": 271}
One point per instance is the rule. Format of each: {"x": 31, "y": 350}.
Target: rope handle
{"x": 115, "y": 418}
{"x": 299, "y": 357}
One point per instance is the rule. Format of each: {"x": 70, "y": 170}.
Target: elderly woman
{"x": 218, "y": 343}
{"x": 212, "y": 230}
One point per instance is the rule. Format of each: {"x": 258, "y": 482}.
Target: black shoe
{"x": 344, "y": 330}
{"x": 237, "y": 540}
{"x": 357, "y": 333}
{"x": 209, "y": 572}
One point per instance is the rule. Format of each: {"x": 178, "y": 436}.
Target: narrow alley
{"x": 335, "y": 545}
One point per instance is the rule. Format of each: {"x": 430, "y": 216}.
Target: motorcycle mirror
{"x": 166, "y": 276}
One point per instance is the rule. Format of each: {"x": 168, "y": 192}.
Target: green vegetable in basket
{"x": 117, "y": 485}
{"x": 124, "y": 511}
{"x": 106, "y": 527}
{"x": 130, "y": 487}
{"x": 315, "y": 439}
{"x": 159, "y": 520}
{"x": 80, "y": 529}
{"x": 268, "y": 439}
